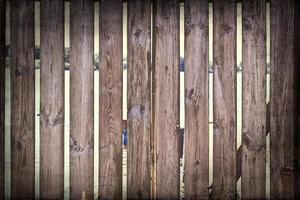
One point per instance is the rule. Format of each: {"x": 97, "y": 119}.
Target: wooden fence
{"x": 153, "y": 100}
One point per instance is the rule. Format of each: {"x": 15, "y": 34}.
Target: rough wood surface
{"x": 52, "y": 100}
{"x": 110, "y": 126}
{"x": 282, "y": 99}
{"x": 224, "y": 146}
{"x": 196, "y": 100}
{"x": 139, "y": 100}
{"x": 166, "y": 97}
{"x": 22, "y": 100}
{"x": 297, "y": 98}
{"x": 82, "y": 99}
{"x": 2, "y": 94}
{"x": 254, "y": 100}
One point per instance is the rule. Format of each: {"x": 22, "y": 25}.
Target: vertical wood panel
{"x": 82, "y": 99}
{"x": 139, "y": 100}
{"x": 2, "y": 94}
{"x": 166, "y": 97}
{"x": 297, "y": 98}
{"x": 22, "y": 105}
{"x": 110, "y": 126}
{"x": 254, "y": 100}
{"x": 224, "y": 149}
{"x": 196, "y": 99}
{"x": 282, "y": 99}
{"x": 52, "y": 100}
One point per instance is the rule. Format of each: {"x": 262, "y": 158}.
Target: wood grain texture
{"x": 139, "y": 100}
{"x": 254, "y": 100}
{"x": 52, "y": 100}
{"x": 110, "y": 126}
{"x": 224, "y": 137}
{"x": 22, "y": 100}
{"x": 166, "y": 97}
{"x": 282, "y": 99}
{"x": 196, "y": 100}
{"x": 2, "y": 94}
{"x": 297, "y": 98}
{"x": 82, "y": 99}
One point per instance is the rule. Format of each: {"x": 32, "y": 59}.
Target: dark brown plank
{"x": 110, "y": 126}
{"x": 82, "y": 99}
{"x": 196, "y": 99}
{"x": 282, "y": 99}
{"x": 224, "y": 147}
{"x": 139, "y": 100}
{"x": 2, "y": 94}
{"x": 254, "y": 100}
{"x": 240, "y": 149}
{"x": 22, "y": 100}
{"x": 52, "y": 100}
{"x": 297, "y": 98}
{"x": 166, "y": 97}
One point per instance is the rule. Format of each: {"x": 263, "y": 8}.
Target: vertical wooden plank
{"x": 166, "y": 97}
{"x": 2, "y": 94}
{"x": 196, "y": 99}
{"x": 82, "y": 99}
{"x": 297, "y": 98}
{"x": 22, "y": 102}
{"x": 282, "y": 99}
{"x": 139, "y": 100}
{"x": 224, "y": 142}
{"x": 110, "y": 126}
{"x": 52, "y": 100}
{"x": 254, "y": 100}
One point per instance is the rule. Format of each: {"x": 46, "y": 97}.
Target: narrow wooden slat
{"x": 23, "y": 99}
{"x": 2, "y": 94}
{"x": 82, "y": 99}
{"x": 139, "y": 100}
{"x": 254, "y": 100}
{"x": 224, "y": 142}
{"x": 196, "y": 99}
{"x": 282, "y": 99}
{"x": 297, "y": 98}
{"x": 110, "y": 125}
{"x": 239, "y": 152}
{"x": 166, "y": 97}
{"x": 52, "y": 100}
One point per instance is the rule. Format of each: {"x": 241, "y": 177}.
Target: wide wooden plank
{"x": 82, "y": 99}
{"x": 254, "y": 100}
{"x": 224, "y": 137}
{"x": 196, "y": 99}
{"x": 22, "y": 100}
{"x": 282, "y": 99}
{"x": 52, "y": 100}
{"x": 110, "y": 125}
{"x": 297, "y": 98}
{"x": 166, "y": 97}
{"x": 2, "y": 94}
{"x": 139, "y": 100}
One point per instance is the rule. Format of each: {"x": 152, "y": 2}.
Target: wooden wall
{"x": 153, "y": 112}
